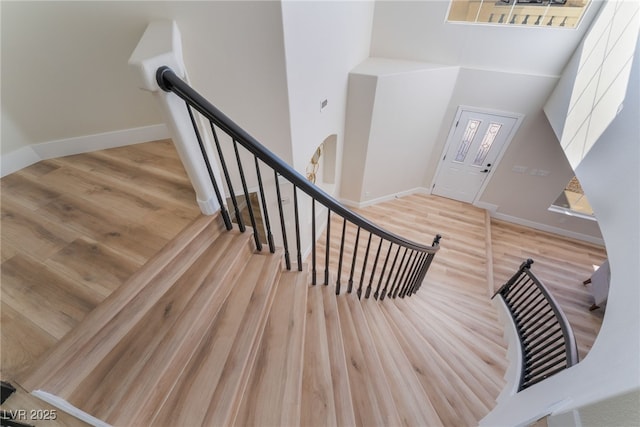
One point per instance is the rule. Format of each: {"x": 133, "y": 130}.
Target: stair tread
{"x": 345, "y": 415}
{"x": 156, "y": 364}
{"x": 209, "y": 384}
{"x": 484, "y": 369}
{"x": 414, "y": 406}
{"x": 372, "y": 399}
{"x": 446, "y": 390}
{"x": 274, "y": 390}
{"x": 318, "y": 407}
{"x": 166, "y": 266}
{"x": 235, "y": 376}
{"x": 126, "y": 367}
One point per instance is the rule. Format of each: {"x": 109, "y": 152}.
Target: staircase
{"x": 211, "y": 332}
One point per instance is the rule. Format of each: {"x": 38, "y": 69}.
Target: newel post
{"x": 160, "y": 45}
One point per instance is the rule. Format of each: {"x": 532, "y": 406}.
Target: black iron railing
{"x": 389, "y": 265}
{"x": 546, "y": 338}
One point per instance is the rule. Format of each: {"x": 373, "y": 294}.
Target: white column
{"x": 161, "y": 45}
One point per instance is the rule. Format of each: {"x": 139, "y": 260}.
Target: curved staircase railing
{"x": 547, "y": 342}
{"x": 389, "y": 265}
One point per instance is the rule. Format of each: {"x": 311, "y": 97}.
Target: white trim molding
{"x": 18, "y": 159}
{"x": 359, "y": 205}
{"x": 67, "y": 407}
{"x": 100, "y": 141}
{"x": 548, "y": 228}
{"x": 28, "y": 155}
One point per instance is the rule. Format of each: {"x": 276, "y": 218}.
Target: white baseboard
{"x": 349, "y": 203}
{"x": 548, "y": 228}
{"x": 352, "y": 204}
{"x": 69, "y": 408}
{"x": 29, "y": 155}
{"x": 18, "y": 159}
{"x": 486, "y": 206}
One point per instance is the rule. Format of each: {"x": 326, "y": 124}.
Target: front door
{"x": 475, "y": 143}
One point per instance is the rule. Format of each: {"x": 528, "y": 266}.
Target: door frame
{"x": 461, "y": 108}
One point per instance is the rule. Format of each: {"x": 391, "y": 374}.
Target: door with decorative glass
{"x": 475, "y": 143}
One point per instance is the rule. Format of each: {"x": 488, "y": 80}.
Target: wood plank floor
{"x": 74, "y": 229}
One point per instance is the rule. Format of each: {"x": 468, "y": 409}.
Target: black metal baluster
{"x": 265, "y": 210}
{"x": 414, "y": 269}
{"x": 518, "y": 317}
{"x": 416, "y": 278}
{"x": 403, "y": 275}
{"x": 252, "y": 218}
{"x": 430, "y": 257}
{"x": 326, "y": 254}
{"x": 532, "y": 342}
{"x": 386, "y": 285}
{"x": 401, "y": 269}
{"x": 547, "y": 358}
{"x": 516, "y": 290}
{"x": 353, "y": 262}
{"x": 410, "y": 272}
{"x": 513, "y": 293}
{"x": 424, "y": 272}
{"x": 539, "y": 356}
{"x": 533, "y": 299}
{"x": 297, "y": 219}
{"x": 364, "y": 266}
{"x": 384, "y": 268}
{"x": 285, "y": 243}
{"x": 535, "y": 316}
{"x": 418, "y": 273}
{"x": 344, "y": 227}
{"x": 313, "y": 241}
{"x": 227, "y": 179}
{"x": 373, "y": 270}
{"x": 207, "y": 162}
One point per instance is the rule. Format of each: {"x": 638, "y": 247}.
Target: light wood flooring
{"x": 75, "y": 229}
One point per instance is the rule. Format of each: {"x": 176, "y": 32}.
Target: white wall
{"x": 65, "y": 72}
{"x": 409, "y": 102}
{"x": 323, "y": 42}
{"x": 612, "y": 366}
{"x": 361, "y": 99}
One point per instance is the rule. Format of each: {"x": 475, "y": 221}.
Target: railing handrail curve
{"x": 169, "y": 81}
{"x": 519, "y": 298}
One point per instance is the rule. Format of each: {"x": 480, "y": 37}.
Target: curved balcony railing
{"x": 387, "y": 265}
{"x": 547, "y": 343}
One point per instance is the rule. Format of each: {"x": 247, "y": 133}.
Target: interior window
{"x": 532, "y": 13}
